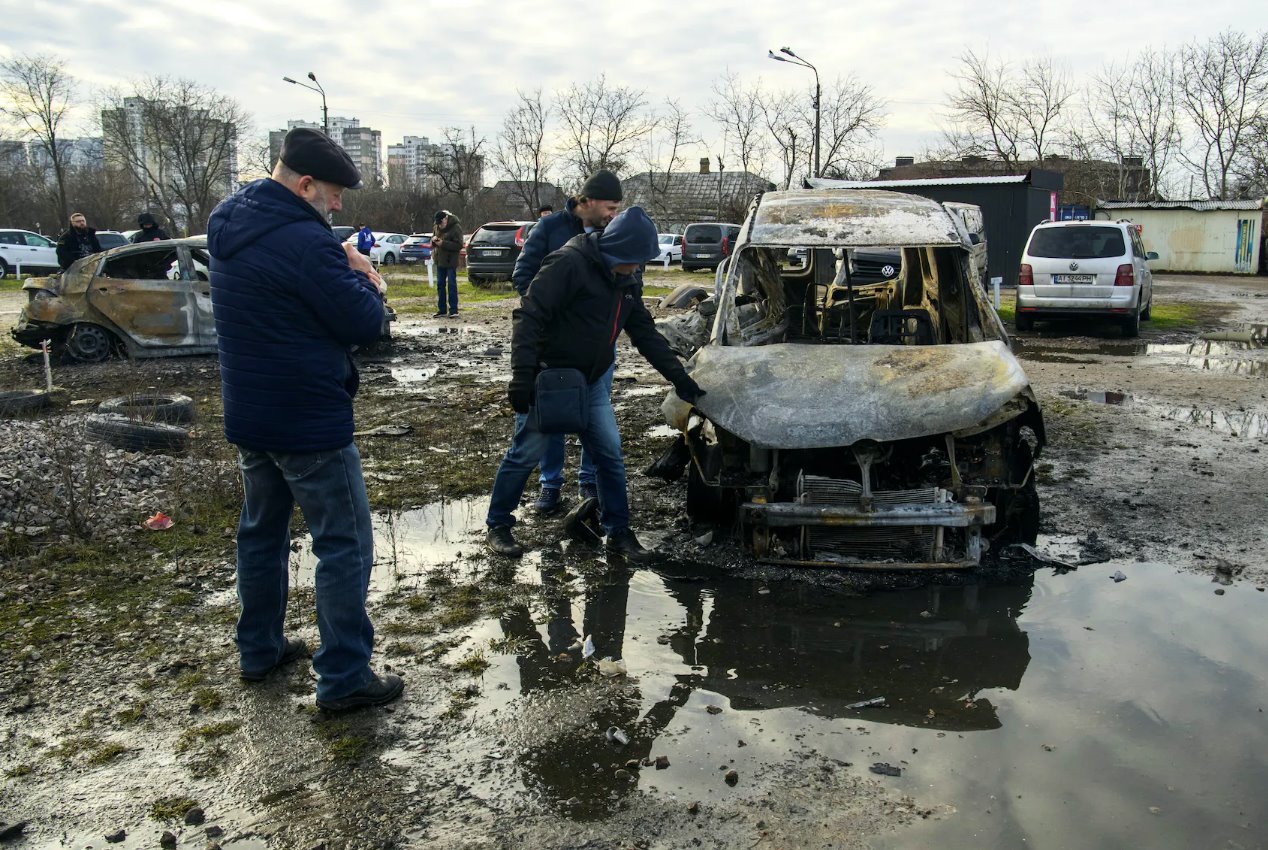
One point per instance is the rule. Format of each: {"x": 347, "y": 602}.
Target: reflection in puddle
{"x": 1066, "y": 694}
{"x": 411, "y": 544}
{"x": 663, "y": 431}
{"x": 1224, "y": 351}
{"x": 1236, "y": 423}
{"x": 413, "y": 374}
{"x": 416, "y": 331}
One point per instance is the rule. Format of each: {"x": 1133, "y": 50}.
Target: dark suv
{"x": 707, "y": 244}
{"x": 493, "y": 250}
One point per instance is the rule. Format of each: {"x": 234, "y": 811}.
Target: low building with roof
{"x": 675, "y": 199}
{"x": 1220, "y": 237}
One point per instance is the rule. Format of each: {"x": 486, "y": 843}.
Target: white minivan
{"x": 1088, "y": 270}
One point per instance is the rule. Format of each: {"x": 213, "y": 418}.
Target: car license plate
{"x": 492, "y": 252}
{"x": 701, "y": 256}
{"x": 1074, "y": 278}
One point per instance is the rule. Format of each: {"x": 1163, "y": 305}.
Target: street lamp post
{"x": 797, "y": 60}
{"x": 325, "y": 116}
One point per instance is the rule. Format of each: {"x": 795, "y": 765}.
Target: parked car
{"x": 493, "y": 250}
{"x": 387, "y": 248}
{"x": 670, "y": 246}
{"x": 26, "y": 249}
{"x": 881, "y": 425}
{"x": 707, "y": 244}
{"x": 970, "y": 215}
{"x": 416, "y": 249}
{"x": 342, "y": 231}
{"x": 1085, "y": 270}
{"x": 108, "y": 239}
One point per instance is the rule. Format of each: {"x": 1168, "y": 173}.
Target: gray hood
{"x": 791, "y": 396}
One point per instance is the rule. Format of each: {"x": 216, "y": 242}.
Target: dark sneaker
{"x": 439, "y": 314}
{"x": 589, "y": 491}
{"x": 501, "y": 542}
{"x": 379, "y": 691}
{"x": 295, "y": 650}
{"x": 453, "y": 314}
{"x": 625, "y": 543}
{"x": 548, "y": 501}
{"x": 582, "y": 523}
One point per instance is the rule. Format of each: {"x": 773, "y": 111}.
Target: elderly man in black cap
{"x": 290, "y": 303}
{"x": 589, "y": 211}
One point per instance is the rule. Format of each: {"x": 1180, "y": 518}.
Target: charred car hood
{"x": 791, "y": 396}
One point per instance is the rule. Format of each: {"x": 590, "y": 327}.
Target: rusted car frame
{"x": 148, "y": 300}
{"x": 878, "y": 425}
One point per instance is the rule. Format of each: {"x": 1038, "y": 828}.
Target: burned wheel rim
{"x": 89, "y": 343}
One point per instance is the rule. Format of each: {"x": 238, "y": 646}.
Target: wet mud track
{"x": 1022, "y": 704}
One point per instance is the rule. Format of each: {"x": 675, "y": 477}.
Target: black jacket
{"x": 73, "y": 244}
{"x": 550, "y": 234}
{"x": 575, "y": 309}
{"x": 149, "y": 235}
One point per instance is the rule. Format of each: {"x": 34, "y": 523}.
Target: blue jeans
{"x": 601, "y": 440}
{"x": 444, "y": 273}
{"x": 552, "y": 462}
{"x": 331, "y": 493}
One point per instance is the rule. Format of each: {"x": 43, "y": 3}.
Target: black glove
{"x": 688, "y": 390}
{"x": 520, "y": 390}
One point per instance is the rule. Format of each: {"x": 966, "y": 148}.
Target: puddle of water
{"x": 642, "y": 391}
{"x": 413, "y": 374}
{"x": 1051, "y": 712}
{"x": 1251, "y": 424}
{"x": 409, "y": 545}
{"x": 1226, "y": 351}
{"x": 663, "y": 431}
{"x": 416, "y": 331}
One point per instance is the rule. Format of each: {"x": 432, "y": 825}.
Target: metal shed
{"x": 1221, "y": 237}
{"x": 1012, "y": 204}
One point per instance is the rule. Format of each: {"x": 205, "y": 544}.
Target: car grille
{"x": 901, "y": 543}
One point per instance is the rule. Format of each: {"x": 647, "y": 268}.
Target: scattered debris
{"x": 732, "y": 777}
{"x": 867, "y": 703}
{"x": 662, "y": 762}
{"x": 159, "y": 522}
{"x": 385, "y": 431}
{"x": 883, "y": 769}
{"x": 713, "y": 709}
{"x": 693, "y": 808}
{"x": 116, "y": 837}
{"x": 1118, "y": 576}
{"x": 615, "y": 735}
{"x": 611, "y": 669}
{"x": 587, "y": 648}
{"x": 195, "y": 816}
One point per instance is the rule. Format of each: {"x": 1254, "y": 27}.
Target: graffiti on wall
{"x": 1246, "y": 240}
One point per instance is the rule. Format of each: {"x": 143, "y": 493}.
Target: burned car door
{"x": 150, "y": 296}
{"x": 200, "y": 273}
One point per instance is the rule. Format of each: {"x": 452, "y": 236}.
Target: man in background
{"x": 365, "y": 239}
{"x": 591, "y": 210}
{"x": 446, "y": 251}
{"x": 78, "y": 242}
{"x": 150, "y": 231}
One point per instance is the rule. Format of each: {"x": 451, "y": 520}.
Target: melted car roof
{"x": 850, "y": 218}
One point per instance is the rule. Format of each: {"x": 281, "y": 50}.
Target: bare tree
{"x": 39, "y": 92}
{"x": 851, "y": 117}
{"x": 521, "y": 151}
{"x": 1009, "y": 113}
{"x": 1223, "y": 91}
{"x": 785, "y": 125}
{"x": 178, "y": 139}
{"x": 459, "y": 170}
{"x": 603, "y": 126}
{"x": 663, "y": 156}
{"x": 738, "y": 109}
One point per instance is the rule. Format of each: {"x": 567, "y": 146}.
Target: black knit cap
{"x": 603, "y": 185}
{"x": 314, "y": 154}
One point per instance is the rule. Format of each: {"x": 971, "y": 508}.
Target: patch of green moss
{"x": 190, "y": 680}
{"x": 132, "y": 713}
{"x": 348, "y": 748}
{"x": 474, "y": 664}
{"x": 107, "y": 752}
{"x": 208, "y": 699}
{"x": 171, "y": 808}
{"x": 208, "y": 732}
{"x": 18, "y": 771}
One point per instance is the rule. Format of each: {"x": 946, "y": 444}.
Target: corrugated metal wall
{"x": 1219, "y": 241}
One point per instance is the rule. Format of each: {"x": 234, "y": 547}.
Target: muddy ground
{"x": 120, "y": 709}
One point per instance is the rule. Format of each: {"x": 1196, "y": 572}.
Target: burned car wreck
{"x": 882, "y": 424}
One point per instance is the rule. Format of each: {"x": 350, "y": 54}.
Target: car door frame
{"x": 106, "y": 298}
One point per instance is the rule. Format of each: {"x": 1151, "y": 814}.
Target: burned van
{"x": 872, "y": 424}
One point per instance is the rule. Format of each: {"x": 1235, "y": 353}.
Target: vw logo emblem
{"x": 887, "y": 270}
{"x": 1074, "y": 267}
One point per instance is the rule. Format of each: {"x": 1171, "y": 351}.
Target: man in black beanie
{"x": 589, "y": 211}
{"x": 585, "y": 294}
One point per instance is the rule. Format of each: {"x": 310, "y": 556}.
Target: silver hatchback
{"x": 1085, "y": 269}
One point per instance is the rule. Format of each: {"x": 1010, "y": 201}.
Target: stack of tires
{"x": 143, "y": 423}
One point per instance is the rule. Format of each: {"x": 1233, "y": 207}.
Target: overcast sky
{"x": 416, "y": 67}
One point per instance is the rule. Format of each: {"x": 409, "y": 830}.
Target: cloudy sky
{"x": 416, "y": 67}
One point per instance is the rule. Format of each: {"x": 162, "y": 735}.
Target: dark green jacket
{"x": 446, "y": 244}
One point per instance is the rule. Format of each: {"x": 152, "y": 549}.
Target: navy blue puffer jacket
{"x": 288, "y": 307}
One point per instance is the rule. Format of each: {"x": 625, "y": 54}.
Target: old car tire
{"x": 124, "y": 433}
{"x": 4, "y": 269}
{"x": 1148, "y": 312}
{"x": 1131, "y": 326}
{"x": 17, "y": 402}
{"x": 685, "y": 295}
{"x": 172, "y": 409}
{"x": 89, "y": 343}
{"x": 1024, "y": 323}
